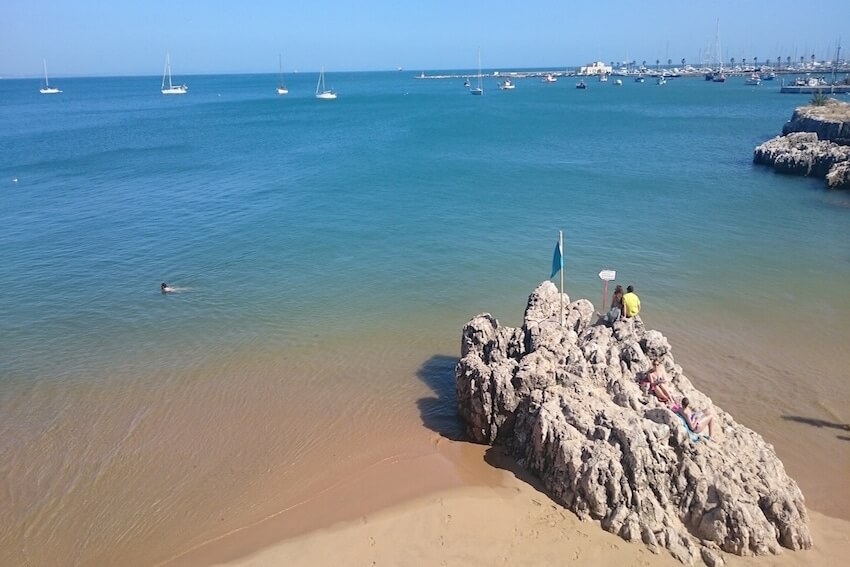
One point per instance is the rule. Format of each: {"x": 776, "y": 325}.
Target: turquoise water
{"x": 402, "y": 197}
{"x": 378, "y": 223}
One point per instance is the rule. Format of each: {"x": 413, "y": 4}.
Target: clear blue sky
{"x": 97, "y": 37}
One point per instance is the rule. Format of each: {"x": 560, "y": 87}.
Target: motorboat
{"x": 581, "y": 85}
{"x": 753, "y": 80}
{"x": 507, "y": 85}
{"x": 550, "y": 78}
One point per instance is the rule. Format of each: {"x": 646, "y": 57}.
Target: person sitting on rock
{"x": 698, "y": 421}
{"x": 631, "y": 302}
{"x": 654, "y": 381}
{"x": 616, "y": 311}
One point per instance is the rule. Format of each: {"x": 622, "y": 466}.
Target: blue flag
{"x": 557, "y": 260}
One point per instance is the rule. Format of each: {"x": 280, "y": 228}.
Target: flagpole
{"x": 561, "y": 244}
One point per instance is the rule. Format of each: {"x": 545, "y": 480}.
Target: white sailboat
{"x": 47, "y": 89}
{"x": 321, "y": 91}
{"x": 281, "y": 86}
{"x": 171, "y": 89}
{"x": 479, "y": 90}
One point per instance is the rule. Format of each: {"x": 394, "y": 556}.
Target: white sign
{"x": 607, "y": 275}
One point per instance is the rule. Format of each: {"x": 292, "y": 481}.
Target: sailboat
{"x": 171, "y": 89}
{"x": 479, "y": 90}
{"x": 321, "y": 91}
{"x": 47, "y": 89}
{"x": 281, "y": 86}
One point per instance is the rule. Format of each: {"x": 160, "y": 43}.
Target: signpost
{"x": 606, "y": 276}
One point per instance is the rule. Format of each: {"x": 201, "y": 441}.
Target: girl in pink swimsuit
{"x": 698, "y": 421}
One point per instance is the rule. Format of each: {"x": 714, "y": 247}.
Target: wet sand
{"x": 465, "y": 504}
{"x": 274, "y": 448}
{"x": 497, "y": 516}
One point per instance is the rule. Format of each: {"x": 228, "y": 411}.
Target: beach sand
{"x": 495, "y": 515}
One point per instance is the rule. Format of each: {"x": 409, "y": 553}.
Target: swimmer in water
{"x": 165, "y": 288}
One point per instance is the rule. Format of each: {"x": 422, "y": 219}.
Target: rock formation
{"x": 566, "y": 403}
{"x": 830, "y": 121}
{"x": 815, "y": 142}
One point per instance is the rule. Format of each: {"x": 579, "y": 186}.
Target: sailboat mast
{"x": 479, "y": 67}
{"x": 165, "y": 72}
{"x": 46, "y": 83}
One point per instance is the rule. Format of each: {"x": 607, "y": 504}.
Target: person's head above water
{"x": 163, "y": 286}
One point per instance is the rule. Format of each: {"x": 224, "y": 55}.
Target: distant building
{"x": 597, "y": 68}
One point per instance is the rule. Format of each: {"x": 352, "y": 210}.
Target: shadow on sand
{"x": 817, "y": 422}
{"x": 820, "y": 423}
{"x": 439, "y": 413}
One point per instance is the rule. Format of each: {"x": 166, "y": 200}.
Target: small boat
{"x": 550, "y": 78}
{"x": 618, "y": 82}
{"x": 466, "y": 83}
{"x": 661, "y": 80}
{"x": 479, "y": 90}
{"x": 281, "y": 86}
{"x": 718, "y": 78}
{"x": 753, "y": 80}
{"x": 322, "y": 92}
{"x": 603, "y": 78}
{"x": 769, "y": 77}
{"x": 507, "y": 85}
{"x": 171, "y": 88}
{"x": 581, "y": 85}
{"x": 639, "y": 79}
{"x": 47, "y": 89}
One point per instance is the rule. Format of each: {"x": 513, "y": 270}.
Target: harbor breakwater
{"x": 815, "y": 142}
{"x": 566, "y": 402}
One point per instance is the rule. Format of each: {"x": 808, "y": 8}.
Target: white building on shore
{"x": 597, "y": 68}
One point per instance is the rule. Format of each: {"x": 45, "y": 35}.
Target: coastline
{"x": 469, "y": 478}
{"x": 495, "y": 515}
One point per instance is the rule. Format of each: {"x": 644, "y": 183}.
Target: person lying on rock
{"x": 654, "y": 382}
{"x": 698, "y": 421}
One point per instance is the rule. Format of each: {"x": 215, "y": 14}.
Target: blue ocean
{"x": 325, "y": 256}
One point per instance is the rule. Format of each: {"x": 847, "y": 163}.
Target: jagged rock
{"x": 815, "y": 142}
{"x": 565, "y": 402}
{"x": 801, "y": 153}
{"x": 839, "y": 176}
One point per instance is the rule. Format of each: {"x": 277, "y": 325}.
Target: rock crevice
{"x": 566, "y": 403}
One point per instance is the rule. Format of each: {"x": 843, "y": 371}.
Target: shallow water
{"x": 330, "y": 253}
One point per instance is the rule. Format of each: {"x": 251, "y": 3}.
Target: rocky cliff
{"x": 830, "y": 121}
{"x": 566, "y": 403}
{"x": 815, "y": 142}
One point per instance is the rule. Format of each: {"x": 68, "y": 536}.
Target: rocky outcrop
{"x": 802, "y": 153}
{"x": 566, "y": 403}
{"x": 815, "y": 142}
{"x": 830, "y": 121}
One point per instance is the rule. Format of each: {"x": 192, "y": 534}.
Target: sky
{"x": 97, "y": 37}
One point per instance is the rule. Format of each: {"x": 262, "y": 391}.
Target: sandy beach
{"x": 495, "y": 514}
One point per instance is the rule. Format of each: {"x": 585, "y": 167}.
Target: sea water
{"x": 327, "y": 254}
